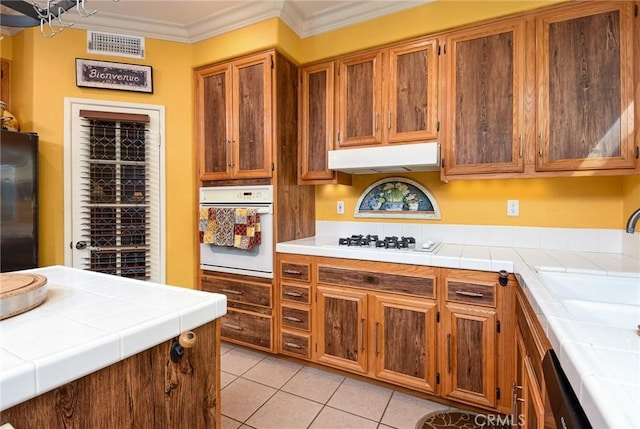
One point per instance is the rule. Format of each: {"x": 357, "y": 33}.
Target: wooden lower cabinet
{"x": 341, "y": 328}
{"x": 249, "y": 320}
{"x": 377, "y": 319}
{"x": 469, "y": 358}
{"x": 404, "y": 338}
{"x": 529, "y": 401}
{"x": 477, "y": 332}
{"x": 248, "y": 328}
{"x": 445, "y": 332}
{"x": 390, "y": 338}
{"x": 528, "y": 405}
{"x": 295, "y": 315}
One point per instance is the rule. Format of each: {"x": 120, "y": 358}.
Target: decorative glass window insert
{"x": 397, "y": 197}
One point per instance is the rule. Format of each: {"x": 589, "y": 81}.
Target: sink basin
{"x": 613, "y": 315}
{"x": 593, "y": 287}
{"x": 605, "y": 300}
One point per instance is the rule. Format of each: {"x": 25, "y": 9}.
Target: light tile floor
{"x": 263, "y": 391}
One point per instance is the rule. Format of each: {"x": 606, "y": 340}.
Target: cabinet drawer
{"x": 239, "y": 291}
{"x": 295, "y": 344}
{"x": 295, "y": 271}
{"x": 471, "y": 293}
{"x": 248, "y": 328}
{"x": 295, "y": 293}
{"x": 295, "y": 318}
{"x": 388, "y": 282}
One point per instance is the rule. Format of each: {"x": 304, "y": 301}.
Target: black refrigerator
{"x": 18, "y": 200}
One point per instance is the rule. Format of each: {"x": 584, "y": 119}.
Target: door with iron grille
{"x": 115, "y": 175}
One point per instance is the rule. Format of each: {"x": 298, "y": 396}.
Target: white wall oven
{"x": 218, "y": 251}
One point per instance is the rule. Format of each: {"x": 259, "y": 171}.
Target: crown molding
{"x": 341, "y": 15}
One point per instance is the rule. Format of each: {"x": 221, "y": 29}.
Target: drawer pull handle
{"x": 294, "y": 294}
{"x": 469, "y": 294}
{"x": 231, "y": 326}
{"x": 372, "y": 280}
{"x": 449, "y": 353}
{"x": 292, "y": 319}
{"x": 293, "y": 345}
{"x": 294, "y": 272}
{"x": 232, "y": 292}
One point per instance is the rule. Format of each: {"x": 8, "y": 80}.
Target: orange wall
{"x": 569, "y": 202}
{"x": 43, "y": 74}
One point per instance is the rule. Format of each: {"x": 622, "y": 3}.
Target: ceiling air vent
{"x": 115, "y": 44}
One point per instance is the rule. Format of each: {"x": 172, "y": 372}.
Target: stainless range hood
{"x": 402, "y": 158}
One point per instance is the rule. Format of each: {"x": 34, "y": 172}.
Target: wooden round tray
{"x": 20, "y": 293}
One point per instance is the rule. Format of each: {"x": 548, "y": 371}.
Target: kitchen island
{"x": 96, "y": 353}
{"x": 601, "y": 362}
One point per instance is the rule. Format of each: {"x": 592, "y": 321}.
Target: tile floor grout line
{"x": 323, "y": 405}
{"x": 386, "y": 407}
{"x": 277, "y": 389}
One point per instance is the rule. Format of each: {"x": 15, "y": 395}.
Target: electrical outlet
{"x": 340, "y": 207}
{"x": 513, "y": 207}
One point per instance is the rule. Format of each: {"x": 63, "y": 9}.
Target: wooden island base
{"x": 146, "y": 390}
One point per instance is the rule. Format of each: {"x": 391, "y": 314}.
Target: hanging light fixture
{"x": 48, "y": 16}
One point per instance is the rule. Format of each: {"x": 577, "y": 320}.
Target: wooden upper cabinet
{"x": 585, "y": 83}
{"x": 483, "y": 124}
{"x": 234, "y": 118}
{"x": 213, "y": 108}
{"x": 317, "y": 130}
{"x": 253, "y": 121}
{"x": 360, "y": 100}
{"x": 316, "y": 120}
{"x": 389, "y": 95}
{"x": 412, "y": 78}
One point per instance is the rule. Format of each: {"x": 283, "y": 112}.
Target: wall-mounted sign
{"x": 109, "y": 75}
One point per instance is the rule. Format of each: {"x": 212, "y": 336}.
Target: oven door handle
{"x": 260, "y": 210}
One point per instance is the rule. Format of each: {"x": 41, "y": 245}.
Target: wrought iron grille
{"x": 116, "y": 217}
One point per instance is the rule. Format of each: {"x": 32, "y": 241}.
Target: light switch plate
{"x": 340, "y": 207}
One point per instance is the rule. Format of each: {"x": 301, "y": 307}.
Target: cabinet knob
{"x": 187, "y": 339}
{"x": 503, "y": 277}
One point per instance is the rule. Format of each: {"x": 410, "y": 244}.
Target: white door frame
{"x": 69, "y": 104}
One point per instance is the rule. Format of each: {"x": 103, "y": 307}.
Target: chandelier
{"x": 49, "y": 15}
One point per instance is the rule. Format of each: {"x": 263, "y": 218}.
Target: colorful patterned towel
{"x": 247, "y": 229}
{"x": 216, "y": 226}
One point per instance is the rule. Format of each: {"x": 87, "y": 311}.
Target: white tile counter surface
{"x": 602, "y": 363}
{"x": 90, "y": 321}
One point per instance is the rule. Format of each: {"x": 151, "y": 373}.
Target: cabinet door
{"x": 360, "y": 100}
{"x": 341, "y": 328}
{"x": 213, "y": 119}
{"x": 412, "y": 106}
{"x": 316, "y": 121}
{"x": 252, "y": 120}
{"x": 470, "y": 354}
{"x": 585, "y": 79}
{"x": 484, "y": 122}
{"x": 528, "y": 406}
{"x": 404, "y": 341}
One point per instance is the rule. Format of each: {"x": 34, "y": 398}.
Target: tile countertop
{"x": 602, "y": 363}
{"x": 90, "y": 321}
